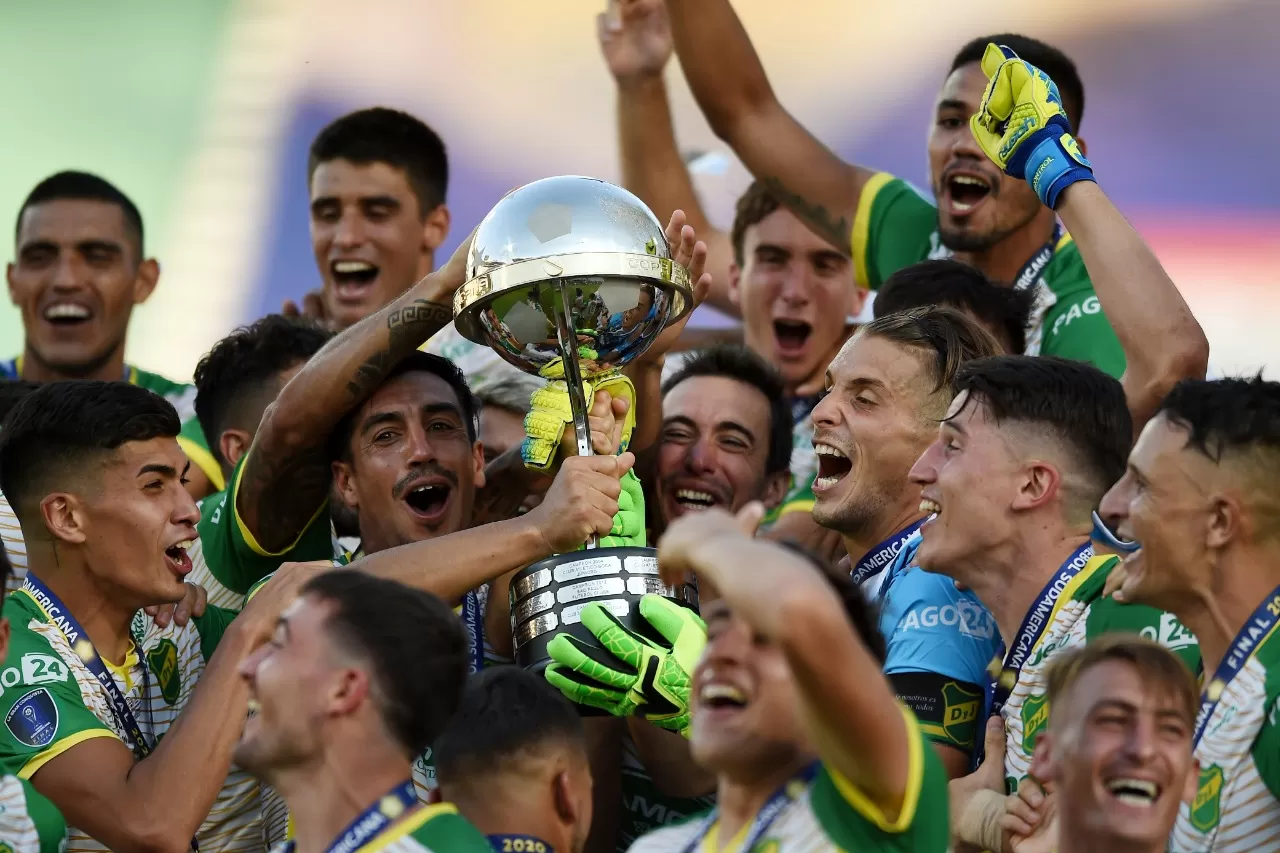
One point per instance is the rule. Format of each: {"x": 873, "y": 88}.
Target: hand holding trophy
{"x": 572, "y": 278}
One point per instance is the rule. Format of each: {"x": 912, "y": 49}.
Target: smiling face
{"x": 746, "y": 710}
{"x": 868, "y": 430}
{"x": 287, "y": 678}
{"x": 370, "y": 239}
{"x": 413, "y": 469}
{"x": 1119, "y": 750}
{"x": 134, "y": 525}
{"x": 76, "y": 278}
{"x": 970, "y": 478}
{"x": 714, "y": 448}
{"x": 1163, "y": 502}
{"x": 796, "y": 293}
{"x": 978, "y": 205}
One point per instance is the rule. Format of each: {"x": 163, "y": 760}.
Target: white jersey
{"x": 29, "y": 823}
{"x": 14, "y": 546}
{"x": 1235, "y": 809}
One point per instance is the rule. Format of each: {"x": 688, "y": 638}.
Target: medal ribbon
{"x": 519, "y": 844}
{"x": 779, "y": 800}
{"x": 1029, "y": 275}
{"x": 1250, "y": 638}
{"x": 1033, "y": 626}
{"x": 373, "y": 820}
{"x": 471, "y": 623}
{"x": 81, "y": 645}
{"x": 882, "y": 555}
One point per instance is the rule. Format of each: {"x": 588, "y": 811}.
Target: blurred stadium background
{"x": 203, "y": 111}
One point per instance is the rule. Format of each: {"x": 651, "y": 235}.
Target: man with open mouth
{"x": 1023, "y": 456}
{"x": 1116, "y": 754}
{"x": 1198, "y": 495}
{"x": 78, "y": 272}
{"x": 106, "y": 717}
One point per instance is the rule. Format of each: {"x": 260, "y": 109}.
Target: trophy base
{"x": 547, "y": 598}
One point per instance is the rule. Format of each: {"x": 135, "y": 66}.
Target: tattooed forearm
{"x": 829, "y": 225}
{"x": 407, "y": 328}
{"x": 280, "y": 494}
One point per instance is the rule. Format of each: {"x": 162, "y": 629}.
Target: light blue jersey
{"x": 939, "y": 642}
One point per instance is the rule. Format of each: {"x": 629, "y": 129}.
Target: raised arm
{"x": 636, "y": 42}
{"x": 730, "y": 86}
{"x": 156, "y": 805}
{"x": 1162, "y": 341}
{"x": 855, "y": 720}
{"x": 285, "y": 479}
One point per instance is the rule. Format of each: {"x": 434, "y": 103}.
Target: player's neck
{"x": 524, "y": 808}
{"x": 741, "y": 795}
{"x": 1217, "y": 612}
{"x": 1071, "y": 839}
{"x": 325, "y": 796}
{"x": 1011, "y": 579}
{"x": 108, "y": 369}
{"x": 103, "y": 616}
{"x": 859, "y": 543}
{"x": 1003, "y": 261}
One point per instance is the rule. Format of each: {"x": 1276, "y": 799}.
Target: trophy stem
{"x": 568, "y": 338}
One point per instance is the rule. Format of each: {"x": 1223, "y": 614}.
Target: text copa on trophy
{"x": 568, "y": 267}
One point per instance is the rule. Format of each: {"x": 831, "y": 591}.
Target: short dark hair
{"x": 12, "y": 391}
{"x": 1081, "y": 407}
{"x": 734, "y": 361}
{"x": 862, "y": 616}
{"x": 413, "y": 643}
{"x": 948, "y": 338}
{"x": 382, "y": 135}
{"x": 1223, "y": 415}
{"x": 59, "y": 430}
{"x": 958, "y": 285}
{"x": 1049, "y": 59}
{"x": 425, "y": 362}
{"x": 6, "y": 570}
{"x": 752, "y": 207}
{"x": 506, "y": 714}
{"x": 238, "y": 378}
{"x": 83, "y": 186}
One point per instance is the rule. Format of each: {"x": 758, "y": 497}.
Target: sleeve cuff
{"x": 872, "y": 812}
{"x": 35, "y": 762}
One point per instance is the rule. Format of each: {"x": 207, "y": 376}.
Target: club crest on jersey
{"x": 1206, "y": 809}
{"x": 163, "y": 663}
{"x": 1035, "y": 715}
{"x": 959, "y": 713}
{"x": 33, "y": 719}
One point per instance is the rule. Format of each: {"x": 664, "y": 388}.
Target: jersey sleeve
{"x": 193, "y": 443}
{"x": 892, "y": 228}
{"x": 1106, "y": 616}
{"x": 445, "y": 829}
{"x": 799, "y": 499}
{"x": 854, "y": 822}
{"x": 233, "y": 554}
{"x": 51, "y": 826}
{"x": 212, "y": 624}
{"x": 1075, "y": 326}
{"x": 44, "y": 712}
{"x": 937, "y": 654}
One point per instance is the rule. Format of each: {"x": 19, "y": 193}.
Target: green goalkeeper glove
{"x": 637, "y": 676}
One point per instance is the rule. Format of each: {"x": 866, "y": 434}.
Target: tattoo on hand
{"x": 407, "y": 328}
{"x": 825, "y": 224}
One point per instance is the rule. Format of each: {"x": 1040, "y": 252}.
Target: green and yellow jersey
{"x": 51, "y": 702}
{"x": 29, "y": 823}
{"x": 896, "y": 225}
{"x": 181, "y": 397}
{"x": 426, "y": 829}
{"x": 1080, "y": 614}
{"x": 1237, "y": 804}
{"x": 227, "y": 560}
{"x": 644, "y": 807}
{"x": 832, "y": 814}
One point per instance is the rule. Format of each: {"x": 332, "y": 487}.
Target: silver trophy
{"x": 576, "y": 269}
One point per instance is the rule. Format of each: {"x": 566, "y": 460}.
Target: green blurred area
{"x": 118, "y": 89}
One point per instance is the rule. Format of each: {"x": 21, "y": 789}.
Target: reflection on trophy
{"x": 574, "y": 270}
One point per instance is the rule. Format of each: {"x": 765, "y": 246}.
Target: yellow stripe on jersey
{"x": 411, "y": 822}
{"x": 795, "y": 506}
{"x": 1068, "y": 593}
{"x": 248, "y": 536}
{"x": 124, "y": 670}
{"x": 1063, "y": 242}
{"x": 711, "y": 839}
{"x": 203, "y": 460}
{"x": 863, "y": 804}
{"x": 35, "y": 762}
{"x": 862, "y": 225}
